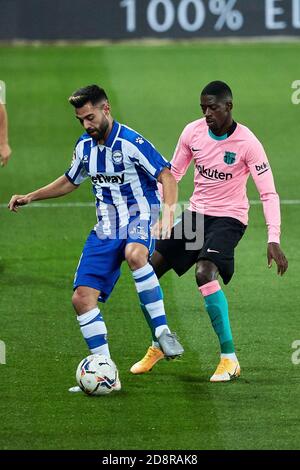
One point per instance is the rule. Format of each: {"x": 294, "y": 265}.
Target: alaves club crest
{"x": 117, "y": 157}
{"x": 229, "y": 158}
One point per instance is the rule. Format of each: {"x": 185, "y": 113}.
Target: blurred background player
{"x": 224, "y": 153}
{"x": 123, "y": 167}
{"x": 5, "y": 150}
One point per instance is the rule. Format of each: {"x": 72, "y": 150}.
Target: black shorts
{"x": 197, "y": 237}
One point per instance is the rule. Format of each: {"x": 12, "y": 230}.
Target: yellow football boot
{"x": 153, "y": 355}
{"x": 226, "y": 370}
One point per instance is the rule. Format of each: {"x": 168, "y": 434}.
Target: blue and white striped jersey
{"x": 123, "y": 172}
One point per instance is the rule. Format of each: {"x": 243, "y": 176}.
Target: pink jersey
{"x": 222, "y": 167}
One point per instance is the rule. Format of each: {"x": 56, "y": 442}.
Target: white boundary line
{"x": 283, "y": 202}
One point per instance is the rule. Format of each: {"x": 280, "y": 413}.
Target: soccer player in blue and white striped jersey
{"x": 124, "y": 169}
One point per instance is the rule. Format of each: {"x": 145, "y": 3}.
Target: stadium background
{"x": 154, "y": 88}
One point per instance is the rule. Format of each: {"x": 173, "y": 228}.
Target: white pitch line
{"x": 92, "y": 204}
{"x": 283, "y": 202}
{"x": 54, "y": 204}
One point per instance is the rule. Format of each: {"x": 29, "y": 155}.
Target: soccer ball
{"x": 97, "y": 375}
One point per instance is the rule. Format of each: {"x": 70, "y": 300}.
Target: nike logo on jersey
{"x": 196, "y": 150}
{"x": 212, "y": 251}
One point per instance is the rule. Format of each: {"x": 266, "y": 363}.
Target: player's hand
{"x": 162, "y": 228}
{"x": 5, "y": 153}
{"x": 18, "y": 200}
{"x": 156, "y": 229}
{"x": 275, "y": 253}
{"x": 166, "y": 224}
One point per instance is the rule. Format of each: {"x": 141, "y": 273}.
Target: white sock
{"x": 231, "y": 356}
{"x": 150, "y": 295}
{"x": 94, "y": 331}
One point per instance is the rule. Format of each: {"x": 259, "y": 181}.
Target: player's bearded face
{"x": 94, "y": 119}
{"x": 98, "y": 131}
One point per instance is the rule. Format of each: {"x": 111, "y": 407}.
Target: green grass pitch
{"x": 154, "y": 90}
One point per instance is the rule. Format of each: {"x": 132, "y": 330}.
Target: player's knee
{"x": 76, "y": 301}
{"x": 81, "y": 301}
{"x": 135, "y": 259}
{"x": 205, "y": 272}
{"x": 202, "y": 277}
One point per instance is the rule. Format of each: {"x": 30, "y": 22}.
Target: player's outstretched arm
{"x": 5, "y": 150}
{"x": 275, "y": 253}
{"x": 57, "y": 188}
{"x": 170, "y": 195}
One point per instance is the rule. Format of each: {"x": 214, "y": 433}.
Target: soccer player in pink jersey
{"x": 224, "y": 154}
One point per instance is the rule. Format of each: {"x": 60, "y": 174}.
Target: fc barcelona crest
{"x": 229, "y": 158}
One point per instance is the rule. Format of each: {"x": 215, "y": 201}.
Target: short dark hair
{"x": 92, "y": 93}
{"x": 217, "y": 88}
